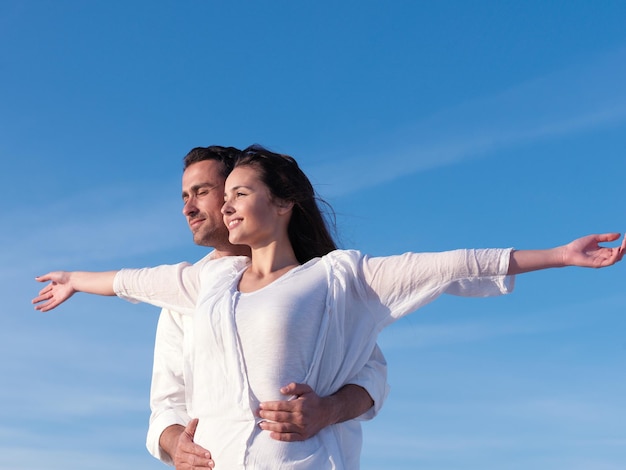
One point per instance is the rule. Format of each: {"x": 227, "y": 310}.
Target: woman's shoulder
{"x": 209, "y": 264}
{"x": 343, "y": 259}
{"x": 342, "y": 254}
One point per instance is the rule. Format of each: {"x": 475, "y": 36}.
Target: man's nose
{"x": 189, "y": 208}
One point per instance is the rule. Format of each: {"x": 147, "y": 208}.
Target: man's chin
{"x": 198, "y": 238}
{"x": 199, "y": 241}
{"x": 203, "y": 239}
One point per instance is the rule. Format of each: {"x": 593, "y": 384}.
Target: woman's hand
{"x": 58, "y": 291}
{"x": 587, "y": 252}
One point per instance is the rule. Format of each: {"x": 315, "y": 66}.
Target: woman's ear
{"x": 283, "y": 206}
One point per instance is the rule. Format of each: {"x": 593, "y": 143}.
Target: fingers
{"x": 279, "y": 410}
{"x": 607, "y": 237}
{"x": 41, "y": 297}
{"x": 293, "y": 390}
{"x": 616, "y": 253}
{"x": 191, "y": 427}
{"x": 296, "y": 389}
{"x": 268, "y": 406}
{"x": 46, "y": 306}
{"x": 44, "y": 278}
{"x": 603, "y": 256}
{"x": 45, "y": 300}
{"x": 46, "y": 290}
{"x": 286, "y": 406}
{"x": 190, "y": 455}
{"x": 189, "y": 461}
{"x": 281, "y": 415}
{"x": 284, "y": 431}
{"x": 279, "y": 427}
{"x": 45, "y": 295}
{"x": 41, "y": 306}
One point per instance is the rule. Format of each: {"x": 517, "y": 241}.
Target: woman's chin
{"x": 235, "y": 240}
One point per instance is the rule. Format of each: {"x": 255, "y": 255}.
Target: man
{"x": 303, "y": 413}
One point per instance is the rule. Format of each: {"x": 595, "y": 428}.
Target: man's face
{"x": 203, "y": 196}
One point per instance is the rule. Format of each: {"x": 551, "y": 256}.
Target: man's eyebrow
{"x": 196, "y": 187}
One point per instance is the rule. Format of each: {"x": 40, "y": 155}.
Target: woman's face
{"x": 251, "y": 215}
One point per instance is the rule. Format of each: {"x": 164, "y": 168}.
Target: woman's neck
{"x": 268, "y": 264}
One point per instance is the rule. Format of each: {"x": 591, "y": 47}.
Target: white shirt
{"x": 362, "y": 295}
{"x": 171, "y": 371}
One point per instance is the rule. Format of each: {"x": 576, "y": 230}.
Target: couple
{"x": 297, "y": 309}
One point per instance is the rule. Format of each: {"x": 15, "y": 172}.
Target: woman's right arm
{"x": 64, "y": 284}
{"x": 173, "y": 286}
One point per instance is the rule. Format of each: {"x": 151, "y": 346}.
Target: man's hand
{"x": 300, "y": 417}
{"x": 187, "y": 455}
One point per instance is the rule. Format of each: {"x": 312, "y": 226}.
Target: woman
{"x": 299, "y": 310}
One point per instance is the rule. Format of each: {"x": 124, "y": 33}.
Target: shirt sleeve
{"x": 168, "y": 396}
{"x": 173, "y": 287}
{"x": 398, "y": 285}
{"x": 373, "y": 378}
{"x": 176, "y": 286}
{"x": 168, "y": 402}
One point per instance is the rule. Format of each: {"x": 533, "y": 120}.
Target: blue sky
{"x": 427, "y": 125}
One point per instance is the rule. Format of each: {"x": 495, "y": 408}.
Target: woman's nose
{"x": 227, "y": 208}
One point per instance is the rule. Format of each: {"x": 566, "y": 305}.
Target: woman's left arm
{"x": 585, "y": 252}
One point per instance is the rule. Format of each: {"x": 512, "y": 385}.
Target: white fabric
{"x": 363, "y": 295}
{"x": 168, "y": 401}
{"x": 171, "y": 371}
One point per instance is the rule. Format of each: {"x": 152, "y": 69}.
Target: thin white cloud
{"x": 579, "y": 99}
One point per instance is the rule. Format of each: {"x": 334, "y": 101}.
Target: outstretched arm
{"x": 64, "y": 284}
{"x": 585, "y": 252}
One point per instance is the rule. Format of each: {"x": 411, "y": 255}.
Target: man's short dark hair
{"x": 225, "y": 155}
